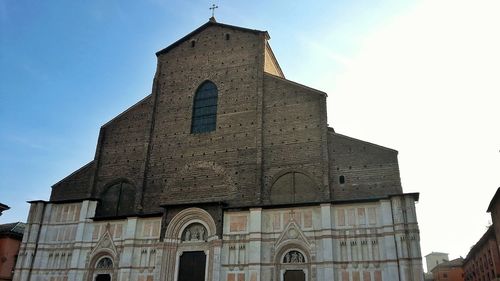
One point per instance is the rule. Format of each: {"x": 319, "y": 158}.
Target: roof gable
{"x": 208, "y": 24}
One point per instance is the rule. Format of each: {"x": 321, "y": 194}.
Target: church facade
{"x": 227, "y": 171}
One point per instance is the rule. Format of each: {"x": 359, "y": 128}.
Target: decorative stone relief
{"x": 293, "y": 257}
{"x": 194, "y": 232}
{"x": 292, "y": 233}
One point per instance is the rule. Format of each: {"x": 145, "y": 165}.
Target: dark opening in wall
{"x": 228, "y": 36}
{"x": 341, "y": 179}
{"x": 193, "y": 43}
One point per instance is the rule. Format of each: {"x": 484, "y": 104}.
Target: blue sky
{"x": 416, "y": 76}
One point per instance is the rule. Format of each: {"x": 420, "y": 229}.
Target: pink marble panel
{"x": 238, "y": 223}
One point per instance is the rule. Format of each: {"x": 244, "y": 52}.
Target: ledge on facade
{"x": 415, "y": 196}
{"x": 195, "y": 204}
{"x": 64, "y": 201}
{"x": 122, "y": 217}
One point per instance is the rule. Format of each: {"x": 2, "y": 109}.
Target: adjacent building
{"x": 435, "y": 258}
{"x": 449, "y": 271}
{"x": 3, "y": 207}
{"x": 494, "y": 210}
{"x": 483, "y": 260}
{"x": 226, "y": 171}
{"x": 11, "y": 235}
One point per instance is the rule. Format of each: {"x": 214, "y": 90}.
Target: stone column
{"x": 127, "y": 256}
{"x": 388, "y": 247}
{"x": 325, "y": 251}
{"x": 216, "y": 248}
{"x": 255, "y": 244}
{"x": 77, "y": 255}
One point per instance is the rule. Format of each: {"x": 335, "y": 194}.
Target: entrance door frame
{"x": 192, "y": 246}
{"x": 303, "y": 269}
{"x": 194, "y": 249}
{"x": 100, "y": 273}
{"x": 283, "y": 267}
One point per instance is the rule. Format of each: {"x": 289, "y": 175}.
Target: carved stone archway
{"x": 292, "y": 257}
{"x": 192, "y": 230}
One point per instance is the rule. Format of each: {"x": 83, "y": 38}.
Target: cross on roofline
{"x": 213, "y": 9}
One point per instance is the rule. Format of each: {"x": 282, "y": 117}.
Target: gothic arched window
{"x": 205, "y": 108}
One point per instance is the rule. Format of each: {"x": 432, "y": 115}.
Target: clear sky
{"x": 421, "y": 77}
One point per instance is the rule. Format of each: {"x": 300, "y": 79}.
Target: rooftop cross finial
{"x": 213, "y": 9}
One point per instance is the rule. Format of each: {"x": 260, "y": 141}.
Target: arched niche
{"x": 117, "y": 199}
{"x": 294, "y": 187}
{"x": 190, "y": 217}
{"x": 194, "y": 232}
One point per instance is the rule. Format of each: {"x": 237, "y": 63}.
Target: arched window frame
{"x": 105, "y": 263}
{"x": 204, "y": 116}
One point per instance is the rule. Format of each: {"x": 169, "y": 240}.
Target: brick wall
{"x": 369, "y": 170}
{"x": 121, "y": 149}
{"x": 75, "y": 186}
{"x": 267, "y": 126}
{"x": 218, "y": 165}
{"x": 293, "y": 133}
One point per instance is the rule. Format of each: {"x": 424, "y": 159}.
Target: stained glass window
{"x": 205, "y": 109}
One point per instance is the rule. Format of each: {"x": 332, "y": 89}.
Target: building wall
{"x": 483, "y": 261}
{"x": 218, "y": 165}
{"x": 495, "y": 215}
{"x": 448, "y": 274}
{"x": 433, "y": 259}
{"x": 9, "y": 248}
{"x": 271, "y": 149}
{"x": 267, "y": 126}
{"x": 294, "y": 137}
{"x": 68, "y": 244}
{"x": 358, "y": 241}
{"x": 368, "y": 170}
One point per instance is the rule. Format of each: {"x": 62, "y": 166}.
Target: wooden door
{"x": 103, "y": 277}
{"x": 294, "y": 275}
{"x": 192, "y": 266}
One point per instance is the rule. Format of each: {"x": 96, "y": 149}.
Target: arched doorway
{"x": 193, "y": 236}
{"x": 192, "y": 261}
{"x": 293, "y": 266}
{"x": 103, "y": 269}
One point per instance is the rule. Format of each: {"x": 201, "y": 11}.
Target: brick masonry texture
{"x": 267, "y": 128}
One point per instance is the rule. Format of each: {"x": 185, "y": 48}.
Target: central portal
{"x": 294, "y": 275}
{"x": 192, "y": 266}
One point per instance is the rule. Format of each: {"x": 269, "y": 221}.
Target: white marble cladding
{"x": 362, "y": 241}
{"x": 70, "y": 243}
{"x": 376, "y": 241}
